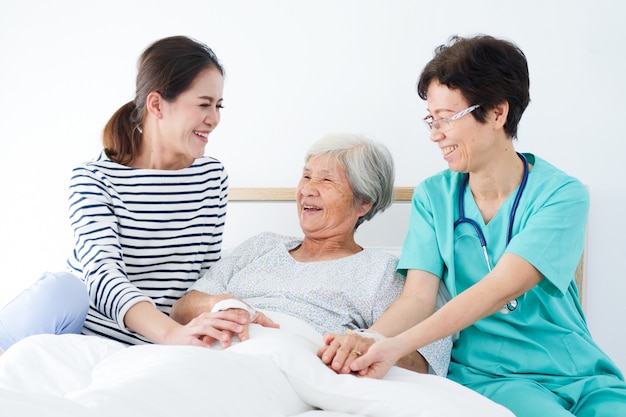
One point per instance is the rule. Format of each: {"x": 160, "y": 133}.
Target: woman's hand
{"x": 380, "y": 357}
{"x": 237, "y": 306}
{"x": 244, "y": 333}
{"x": 264, "y": 321}
{"x": 198, "y": 305}
{"x": 340, "y": 350}
{"x": 201, "y": 330}
{"x": 208, "y": 328}
{"x": 217, "y": 326}
{"x": 146, "y": 320}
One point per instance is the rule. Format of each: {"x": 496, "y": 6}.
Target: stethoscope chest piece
{"x": 509, "y": 307}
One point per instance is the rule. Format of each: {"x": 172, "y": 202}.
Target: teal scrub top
{"x": 546, "y": 336}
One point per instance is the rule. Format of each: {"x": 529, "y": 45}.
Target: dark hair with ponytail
{"x": 168, "y": 66}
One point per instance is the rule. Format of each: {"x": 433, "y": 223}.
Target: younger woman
{"x": 147, "y": 214}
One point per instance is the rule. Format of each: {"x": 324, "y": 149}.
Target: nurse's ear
{"x": 499, "y": 114}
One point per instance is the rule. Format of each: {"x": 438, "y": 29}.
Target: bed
{"x": 275, "y": 374}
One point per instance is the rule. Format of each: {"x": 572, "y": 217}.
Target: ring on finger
{"x": 356, "y": 352}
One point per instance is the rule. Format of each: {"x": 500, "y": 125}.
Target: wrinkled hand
{"x": 207, "y": 328}
{"x": 340, "y": 350}
{"x": 243, "y": 331}
{"x": 264, "y": 321}
{"x": 380, "y": 357}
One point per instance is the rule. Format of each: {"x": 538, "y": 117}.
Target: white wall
{"x": 296, "y": 70}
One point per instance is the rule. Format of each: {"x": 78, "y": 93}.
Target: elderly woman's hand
{"x": 248, "y": 314}
{"x": 341, "y": 349}
{"x": 216, "y": 317}
{"x": 379, "y": 359}
{"x": 222, "y": 325}
{"x": 217, "y": 326}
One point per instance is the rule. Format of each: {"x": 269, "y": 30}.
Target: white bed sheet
{"x": 275, "y": 374}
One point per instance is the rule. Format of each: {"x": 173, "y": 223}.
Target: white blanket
{"x": 276, "y": 373}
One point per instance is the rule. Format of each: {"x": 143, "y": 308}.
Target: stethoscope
{"x": 511, "y": 305}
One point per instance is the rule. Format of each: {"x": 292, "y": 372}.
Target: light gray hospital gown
{"x": 332, "y": 296}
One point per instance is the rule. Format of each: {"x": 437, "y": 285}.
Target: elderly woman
{"x": 325, "y": 278}
{"x": 504, "y": 231}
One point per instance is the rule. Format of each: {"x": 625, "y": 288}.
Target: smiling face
{"x": 468, "y": 142}
{"x": 325, "y": 200}
{"x": 186, "y": 122}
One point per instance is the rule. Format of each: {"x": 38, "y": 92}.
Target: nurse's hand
{"x": 380, "y": 357}
{"x": 340, "y": 350}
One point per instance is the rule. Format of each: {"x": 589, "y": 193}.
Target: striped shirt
{"x": 143, "y": 235}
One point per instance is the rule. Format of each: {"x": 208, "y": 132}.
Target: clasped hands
{"x": 366, "y": 354}
{"x": 340, "y": 350}
{"x": 232, "y": 317}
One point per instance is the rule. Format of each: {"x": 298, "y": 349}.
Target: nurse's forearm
{"x": 417, "y": 301}
{"x": 482, "y": 299}
{"x": 446, "y": 321}
{"x": 403, "y": 314}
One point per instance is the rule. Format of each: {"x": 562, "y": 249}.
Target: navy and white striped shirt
{"x": 143, "y": 235}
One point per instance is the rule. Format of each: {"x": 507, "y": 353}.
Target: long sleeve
{"x": 144, "y": 235}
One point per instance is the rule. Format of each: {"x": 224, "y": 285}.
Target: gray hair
{"x": 369, "y": 167}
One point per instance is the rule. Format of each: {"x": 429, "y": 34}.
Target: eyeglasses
{"x": 444, "y": 125}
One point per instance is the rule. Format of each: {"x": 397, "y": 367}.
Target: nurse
{"x": 505, "y": 232}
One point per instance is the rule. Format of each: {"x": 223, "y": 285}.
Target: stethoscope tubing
{"x": 512, "y": 305}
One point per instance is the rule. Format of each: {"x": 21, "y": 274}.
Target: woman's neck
{"x": 312, "y": 250}
{"x": 151, "y": 159}
{"x": 153, "y": 155}
{"x": 492, "y": 185}
{"x": 497, "y": 180}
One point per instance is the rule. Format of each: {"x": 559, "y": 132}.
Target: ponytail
{"x": 122, "y": 135}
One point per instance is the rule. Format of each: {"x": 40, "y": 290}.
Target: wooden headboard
{"x": 402, "y": 194}
{"x": 289, "y": 194}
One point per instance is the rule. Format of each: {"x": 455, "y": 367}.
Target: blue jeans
{"x": 57, "y": 303}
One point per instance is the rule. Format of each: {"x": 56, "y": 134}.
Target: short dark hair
{"x": 486, "y": 70}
